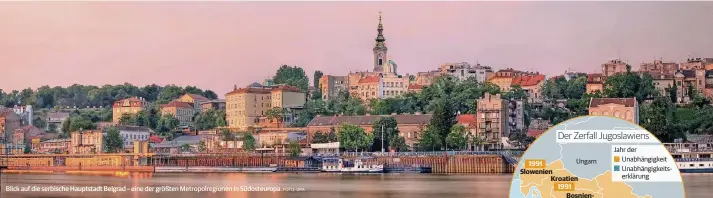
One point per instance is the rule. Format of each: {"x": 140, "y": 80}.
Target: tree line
{"x": 82, "y": 96}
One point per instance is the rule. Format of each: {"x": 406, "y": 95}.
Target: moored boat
{"x": 345, "y": 166}
{"x": 692, "y": 157}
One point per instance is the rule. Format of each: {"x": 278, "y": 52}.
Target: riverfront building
{"x": 128, "y": 106}
{"x": 331, "y": 86}
{"x": 87, "y": 142}
{"x": 492, "y": 120}
{"x": 60, "y": 146}
{"x": 213, "y": 104}
{"x": 131, "y": 134}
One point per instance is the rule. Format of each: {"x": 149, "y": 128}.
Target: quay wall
{"x": 223, "y": 163}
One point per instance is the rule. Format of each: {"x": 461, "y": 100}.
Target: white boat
{"x": 358, "y": 166}
{"x": 692, "y": 157}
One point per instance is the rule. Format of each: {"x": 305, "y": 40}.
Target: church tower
{"x": 380, "y": 58}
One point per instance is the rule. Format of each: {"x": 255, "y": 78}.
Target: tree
{"x": 398, "y": 143}
{"x": 386, "y": 125}
{"x": 249, "y": 142}
{"x": 672, "y": 91}
{"x": 295, "y": 148}
{"x": 292, "y": 75}
{"x": 317, "y": 87}
{"x": 185, "y": 147}
{"x": 27, "y": 149}
{"x": 210, "y": 94}
{"x": 516, "y": 93}
{"x": 456, "y": 139}
{"x": 477, "y": 142}
{"x": 628, "y": 85}
{"x": 519, "y": 139}
{"x": 430, "y": 140}
{"x": 659, "y": 118}
{"x": 354, "y": 137}
{"x": 275, "y": 114}
{"x": 79, "y": 123}
{"x": 166, "y": 125}
{"x": 210, "y": 119}
{"x": 127, "y": 119}
{"x": 226, "y": 135}
{"x": 443, "y": 119}
{"x": 113, "y": 141}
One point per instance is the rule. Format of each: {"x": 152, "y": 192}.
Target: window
{"x": 380, "y": 62}
{"x": 617, "y": 114}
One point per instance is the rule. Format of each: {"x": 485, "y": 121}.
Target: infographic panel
{"x": 597, "y": 157}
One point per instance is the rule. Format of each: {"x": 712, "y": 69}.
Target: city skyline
{"x": 215, "y": 45}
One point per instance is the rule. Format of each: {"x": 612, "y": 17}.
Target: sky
{"x": 216, "y": 45}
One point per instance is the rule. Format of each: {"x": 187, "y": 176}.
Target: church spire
{"x": 380, "y": 37}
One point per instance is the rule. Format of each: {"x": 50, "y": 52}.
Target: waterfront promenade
{"x": 437, "y": 162}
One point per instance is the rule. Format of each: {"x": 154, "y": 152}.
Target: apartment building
{"x": 217, "y": 104}
{"x": 128, "y": 106}
{"x": 246, "y": 106}
{"x": 492, "y": 120}
{"x": 532, "y": 84}
{"x": 659, "y": 67}
{"x": 331, "y": 86}
{"x": 464, "y": 70}
{"x": 183, "y": 111}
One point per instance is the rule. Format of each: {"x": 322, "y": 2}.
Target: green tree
{"x": 210, "y": 119}
{"x": 386, "y": 125}
{"x": 659, "y": 118}
{"x": 185, "y": 147}
{"x": 628, "y": 85}
{"x": 516, "y": 93}
{"x": 456, "y": 139}
{"x": 249, "y": 143}
{"x": 166, "y": 125}
{"x": 398, "y": 143}
{"x": 354, "y": 137}
{"x": 80, "y": 123}
{"x": 113, "y": 141}
{"x": 127, "y": 119}
{"x": 672, "y": 91}
{"x": 477, "y": 142}
{"x": 27, "y": 149}
{"x": 275, "y": 114}
{"x": 317, "y": 87}
{"x": 292, "y": 75}
{"x": 430, "y": 140}
{"x": 519, "y": 139}
{"x": 295, "y": 148}
{"x": 226, "y": 135}
{"x": 443, "y": 119}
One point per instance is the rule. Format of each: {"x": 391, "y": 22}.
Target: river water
{"x": 290, "y": 184}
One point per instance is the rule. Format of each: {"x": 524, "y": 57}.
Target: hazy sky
{"x": 216, "y": 45}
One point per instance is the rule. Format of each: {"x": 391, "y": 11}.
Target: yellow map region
{"x": 601, "y": 186}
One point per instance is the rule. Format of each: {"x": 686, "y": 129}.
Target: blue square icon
{"x": 616, "y": 167}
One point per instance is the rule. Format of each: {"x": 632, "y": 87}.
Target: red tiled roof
{"x": 155, "y": 139}
{"x": 534, "y": 133}
{"x": 178, "y": 104}
{"x": 591, "y": 78}
{"x": 627, "y": 102}
{"x": 370, "y": 79}
{"x": 528, "y": 80}
{"x": 250, "y": 90}
{"x": 197, "y": 97}
{"x": 466, "y": 118}
{"x": 415, "y": 86}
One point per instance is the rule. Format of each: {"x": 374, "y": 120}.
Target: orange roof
{"x": 287, "y": 88}
{"x": 178, "y": 104}
{"x": 466, "y": 118}
{"x": 250, "y": 90}
{"x": 415, "y": 86}
{"x": 370, "y": 79}
{"x": 528, "y": 80}
{"x": 535, "y": 133}
{"x": 499, "y": 77}
{"x": 196, "y": 96}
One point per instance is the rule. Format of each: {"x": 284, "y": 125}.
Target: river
{"x": 300, "y": 185}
